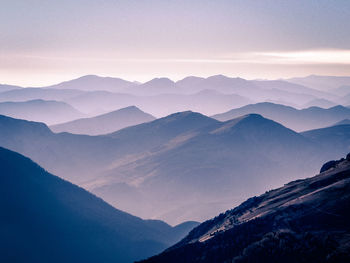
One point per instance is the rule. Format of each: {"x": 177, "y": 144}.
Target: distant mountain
{"x": 258, "y": 90}
{"x": 189, "y": 83}
{"x": 293, "y": 91}
{"x": 324, "y": 83}
{"x": 102, "y": 101}
{"x": 343, "y": 122}
{"x": 345, "y": 100}
{"x": 321, "y": 103}
{"x": 299, "y": 120}
{"x": 4, "y": 87}
{"x": 47, "y": 219}
{"x": 26, "y": 94}
{"x": 334, "y": 137}
{"x": 162, "y": 130}
{"x": 205, "y": 101}
{"x": 255, "y": 90}
{"x": 155, "y": 86}
{"x": 303, "y": 221}
{"x": 342, "y": 90}
{"x": 96, "y": 95}
{"x": 73, "y": 157}
{"x": 49, "y": 112}
{"x": 292, "y": 87}
{"x": 95, "y": 83}
{"x": 219, "y": 83}
{"x": 105, "y": 123}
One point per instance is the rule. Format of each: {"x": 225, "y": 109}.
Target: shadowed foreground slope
{"x": 303, "y": 221}
{"x": 46, "y": 219}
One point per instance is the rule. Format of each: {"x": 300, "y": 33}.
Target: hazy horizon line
{"x": 143, "y": 81}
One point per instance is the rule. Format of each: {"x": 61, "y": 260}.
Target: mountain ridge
{"x": 40, "y": 110}
{"x": 303, "y": 220}
{"x": 105, "y": 123}
{"x": 299, "y": 120}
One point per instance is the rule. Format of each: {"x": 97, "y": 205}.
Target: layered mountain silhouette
{"x": 47, "y": 219}
{"x": 299, "y": 120}
{"x": 4, "y": 87}
{"x": 205, "y": 101}
{"x": 94, "y": 95}
{"x": 180, "y": 157}
{"x": 105, "y": 123}
{"x": 324, "y": 83}
{"x": 95, "y": 83}
{"x": 25, "y": 94}
{"x": 342, "y": 90}
{"x": 155, "y": 86}
{"x": 321, "y": 103}
{"x": 334, "y": 137}
{"x": 72, "y": 157}
{"x": 168, "y": 167}
{"x": 303, "y": 221}
{"x": 176, "y": 159}
{"x": 49, "y": 112}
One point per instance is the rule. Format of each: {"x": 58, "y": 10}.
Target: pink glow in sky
{"x": 43, "y": 42}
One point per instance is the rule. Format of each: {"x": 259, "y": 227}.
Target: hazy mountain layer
{"x": 93, "y": 83}
{"x": 303, "y": 221}
{"x": 299, "y": 120}
{"x": 324, "y": 83}
{"x": 95, "y": 95}
{"x": 167, "y": 168}
{"x": 206, "y": 101}
{"x": 50, "y": 112}
{"x": 4, "y": 87}
{"x": 105, "y": 123}
{"x": 25, "y": 94}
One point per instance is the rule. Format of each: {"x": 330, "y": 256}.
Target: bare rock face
{"x": 330, "y": 164}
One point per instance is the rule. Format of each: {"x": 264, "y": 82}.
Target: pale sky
{"x": 46, "y": 41}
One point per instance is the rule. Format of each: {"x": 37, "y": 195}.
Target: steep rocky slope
{"x": 303, "y": 221}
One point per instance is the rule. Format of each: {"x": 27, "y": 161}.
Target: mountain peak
{"x": 230, "y": 124}
{"x": 169, "y": 126}
{"x": 105, "y": 123}
{"x": 130, "y": 108}
{"x": 186, "y": 115}
{"x": 93, "y": 83}
{"x": 160, "y": 81}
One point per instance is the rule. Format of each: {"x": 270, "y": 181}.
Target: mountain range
{"x": 94, "y": 95}
{"x": 303, "y": 221}
{"x": 170, "y": 161}
{"x": 168, "y": 167}
{"x": 5, "y": 87}
{"x": 299, "y": 120}
{"x": 47, "y": 219}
